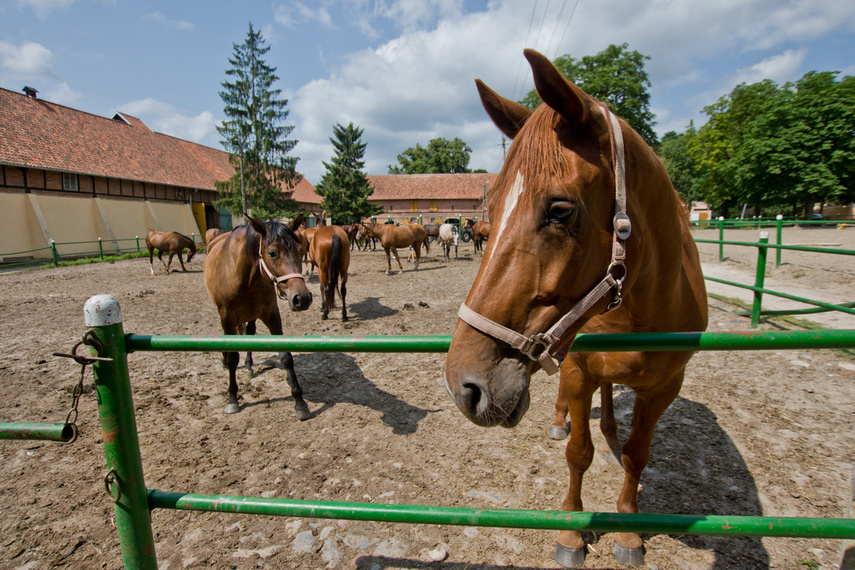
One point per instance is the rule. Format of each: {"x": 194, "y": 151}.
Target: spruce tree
{"x": 344, "y": 186}
{"x": 255, "y": 137}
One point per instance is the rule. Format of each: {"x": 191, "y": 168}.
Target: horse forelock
{"x": 546, "y": 159}
{"x": 279, "y": 232}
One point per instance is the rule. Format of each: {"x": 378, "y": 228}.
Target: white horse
{"x": 448, "y": 236}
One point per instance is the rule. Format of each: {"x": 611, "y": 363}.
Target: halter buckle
{"x": 622, "y": 225}
{"x": 535, "y": 346}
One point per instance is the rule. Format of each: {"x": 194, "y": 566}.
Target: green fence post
{"x": 721, "y": 238}
{"x": 124, "y": 479}
{"x": 761, "y": 277}
{"x": 55, "y": 256}
{"x": 100, "y": 249}
{"x": 138, "y": 244}
{"x": 780, "y": 220}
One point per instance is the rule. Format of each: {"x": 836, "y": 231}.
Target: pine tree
{"x": 255, "y": 136}
{"x": 344, "y": 186}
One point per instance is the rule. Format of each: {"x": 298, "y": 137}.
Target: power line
{"x": 567, "y": 27}
{"x": 527, "y": 36}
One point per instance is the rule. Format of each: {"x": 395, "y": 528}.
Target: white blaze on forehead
{"x": 510, "y": 205}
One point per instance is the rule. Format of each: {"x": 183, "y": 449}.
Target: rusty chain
{"x": 84, "y": 361}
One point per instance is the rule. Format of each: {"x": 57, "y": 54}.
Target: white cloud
{"x": 297, "y": 14}
{"x": 63, "y": 94}
{"x": 779, "y": 68}
{"x": 44, "y": 8}
{"x": 165, "y": 118}
{"x": 27, "y": 60}
{"x": 159, "y": 18}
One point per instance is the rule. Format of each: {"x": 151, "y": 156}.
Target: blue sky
{"x": 403, "y": 70}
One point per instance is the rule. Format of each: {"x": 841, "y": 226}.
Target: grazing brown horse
{"x": 331, "y": 253}
{"x": 211, "y": 234}
{"x": 363, "y": 240}
{"x": 172, "y": 243}
{"x": 245, "y": 270}
{"x": 392, "y": 237}
{"x": 581, "y": 244}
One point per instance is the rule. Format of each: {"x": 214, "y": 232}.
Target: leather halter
{"x": 276, "y": 279}
{"x": 539, "y": 346}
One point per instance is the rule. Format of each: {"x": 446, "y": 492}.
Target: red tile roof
{"x": 430, "y": 186}
{"x": 35, "y": 133}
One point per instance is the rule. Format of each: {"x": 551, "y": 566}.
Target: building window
{"x": 414, "y": 205}
{"x": 69, "y": 182}
{"x": 433, "y": 207}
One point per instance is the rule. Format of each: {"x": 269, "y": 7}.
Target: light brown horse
{"x": 590, "y": 236}
{"x": 211, "y": 234}
{"x": 480, "y": 232}
{"x": 245, "y": 270}
{"x": 352, "y": 232}
{"x": 392, "y": 237}
{"x": 172, "y": 243}
{"x": 331, "y": 253}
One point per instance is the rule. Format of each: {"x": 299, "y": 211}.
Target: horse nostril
{"x": 473, "y": 399}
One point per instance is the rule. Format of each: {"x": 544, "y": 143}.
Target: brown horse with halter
{"x": 245, "y": 270}
{"x": 331, "y": 253}
{"x": 172, "y": 243}
{"x": 480, "y": 232}
{"x": 392, "y": 237}
{"x": 582, "y": 244}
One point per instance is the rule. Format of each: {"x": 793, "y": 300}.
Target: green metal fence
{"x": 56, "y": 251}
{"x": 760, "y": 276}
{"x": 134, "y": 502}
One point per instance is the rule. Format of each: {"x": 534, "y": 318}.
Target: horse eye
{"x": 271, "y": 252}
{"x": 561, "y": 212}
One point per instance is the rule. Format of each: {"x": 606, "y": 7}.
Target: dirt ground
{"x": 752, "y": 433}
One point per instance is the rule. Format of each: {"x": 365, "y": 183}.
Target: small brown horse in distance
{"x": 480, "y": 232}
{"x": 172, "y": 243}
{"x": 331, "y": 253}
{"x": 245, "y": 270}
{"x": 392, "y": 237}
{"x": 569, "y": 222}
{"x": 352, "y": 232}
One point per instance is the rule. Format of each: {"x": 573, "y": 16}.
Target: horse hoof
{"x": 232, "y": 408}
{"x": 558, "y": 433}
{"x": 246, "y": 374}
{"x": 633, "y": 557}
{"x": 302, "y": 412}
{"x": 569, "y": 557}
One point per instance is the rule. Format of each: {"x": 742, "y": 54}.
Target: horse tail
{"x": 335, "y": 265}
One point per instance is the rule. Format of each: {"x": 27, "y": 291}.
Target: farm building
{"x": 427, "y": 197}
{"x": 71, "y": 176}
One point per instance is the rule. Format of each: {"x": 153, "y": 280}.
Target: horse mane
{"x": 193, "y": 246}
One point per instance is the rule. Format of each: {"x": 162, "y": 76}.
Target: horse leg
{"x": 570, "y": 548}
{"x": 181, "y": 261}
{"x": 325, "y": 304}
{"x": 248, "y": 329}
{"x": 417, "y": 247}
{"x": 559, "y": 428}
{"x": 171, "y": 255}
{"x": 343, "y": 292}
{"x": 607, "y": 421}
{"x": 388, "y": 260}
{"x": 301, "y": 409}
{"x": 151, "y": 258}
{"x": 648, "y": 408}
{"x": 231, "y": 361}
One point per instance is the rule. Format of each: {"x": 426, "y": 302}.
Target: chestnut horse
{"x": 565, "y": 258}
{"x": 172, "y": 243}
{"x": 331, "y": 253}
{"x": 392, "y": 237}
{"x": 245, "y": 270}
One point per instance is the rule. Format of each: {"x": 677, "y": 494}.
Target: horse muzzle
{"x": 496, "y": 395}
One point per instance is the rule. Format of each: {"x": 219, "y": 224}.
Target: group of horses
{"x": 580, "y": 244}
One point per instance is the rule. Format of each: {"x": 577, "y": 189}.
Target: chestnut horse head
{"x": 587, "y": 234}
{"x": 562, "y": 249}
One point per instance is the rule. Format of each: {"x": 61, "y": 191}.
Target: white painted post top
{"x": 102, "y": 310}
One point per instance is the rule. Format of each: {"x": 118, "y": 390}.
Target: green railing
{"x": 760, "y": 276}
{"x": 57, "y": 251}
{"x": 134, "y": 502}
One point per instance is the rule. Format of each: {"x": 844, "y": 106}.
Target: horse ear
{"x": 506, "y": 114}
{"x": 295, "y": 223}
{"x": 257, "y": 225}
{"x": 573, "y": 104}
